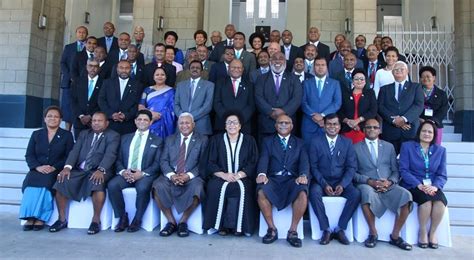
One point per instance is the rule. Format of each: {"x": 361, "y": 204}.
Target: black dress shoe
{"x": 28, "y": 227}
{"x": 223, "y": 231}
{"x": 238, "y": 234}
{"x": 371, "y": 241}
{"x": 58, "y": 225}
{"x": 94, "y": 228}
{"x": 293, "y": 239}
{"x": 400, "y": 243}
{"x": 422, "y": 245}
{"x": 271, "y": 236}
{"x": 325, "y": 238}
{"x": 38, "y": 227}
{"x": 433, "y": 245}
{"x": 123, "y": 223}
{"x": 341, "y": 237}
{"x": 183, "y": 230}
{"x": 135, "y": 226}
{"x": 169, "y": 229}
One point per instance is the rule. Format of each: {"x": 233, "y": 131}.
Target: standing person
{"x": 291, "y": 51}
{"x": 423, "y": 172}
{"x": 256, "y": 41}
{"x": 170, "y": 56}
{"x": 385, "y": 43}
{"x": 313, "y": 38}
{"x": 220, "y": 69}
{"x": 45, "y": 155}
{"x": 263, "y": 62}
{"x": 171, "y": 38}
{"x": 230, "y": 203}
{"x": 159, "y": 61}
{"x": 371, "y": 64}
{"x": 137, "y": 165}
{"x": 159, "y": 100}
{"x": 144, "y": 48}
{"x": 436, "y": 101}
{"x": 361, "y": 52}
{"x": 385, "y": 76}
{"x": 248, "y": 59}
{"x": 108, "y": 41}
{"x": 80, "y": 59}
{"x": 216, "y": 37}
{"x": 377, "y": 179}
{"x": 218, "y": 51}
{"x": 200, "y": 39}
{"x": 337, "y": 41}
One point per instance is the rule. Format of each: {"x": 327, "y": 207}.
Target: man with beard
{"x": 291, "y": 51}
{"x": 337, "y": 64}
{"x": 119, "y": 97}
{"x": 276, "y": 93}
{"x": 159, "y": 61}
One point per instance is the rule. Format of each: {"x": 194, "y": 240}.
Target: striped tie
{"x": 136, "y": 151}
{"x": 331, "y": 147}
{"x": 181, "y": 157}
{"x": 283, "y": 143}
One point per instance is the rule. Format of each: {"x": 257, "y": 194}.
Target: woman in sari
{"x": 159, "y": 99}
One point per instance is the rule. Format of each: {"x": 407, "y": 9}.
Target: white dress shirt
{"x": 376, "y": 147}
{"x": 190, "y": 174}
{"x": 123, "y": 85}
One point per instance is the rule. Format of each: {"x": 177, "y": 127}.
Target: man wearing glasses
{"x": 377, "y": 179}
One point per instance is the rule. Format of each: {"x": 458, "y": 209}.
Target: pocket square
{"x": 153, "y": 146}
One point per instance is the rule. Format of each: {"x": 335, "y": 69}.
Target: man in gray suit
{"x": 88, "y": 168}
{"x": 195, "y": 96}
{"x": 377, "y": 177}
{"x": 247, "y": 58}
{"x": 137, "y": 166}
{"x": 181, "y": 184}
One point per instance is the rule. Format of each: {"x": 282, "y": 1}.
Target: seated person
{"x": 283, "y": 179}
{"x": 137, "y": 166}
{"x": 377, "y": 179}
{"x": 333, "y": 165}
{"x": 181, "y": 184}
{"x": 87, "y": 170}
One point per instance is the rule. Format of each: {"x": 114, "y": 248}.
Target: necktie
{"x": 181, "y": 157}
{"x": 234, "y": 87}
{"x": 400, "y": 88}
{"x": 134, "y": 68}
{"x": 193, "y": 87}
{"x": 86, "y": 165}
{"x": 348, "y": 77}
{"x": 124, "y": 55}
{"x": 283, "y": 143}
{"x": 91, "y": 56}
{"x": 320, "y": 86}
{"x": 372, "y": 152}
{"x": 308, "y": 67}
{"x": 372, "y": 72}
{"x": 231, "y": 42}
{"x": 264, "y": 70}
{"x": 331, "y": 147}
{"x": 109, "y": 43}
{"x": 237, "y": 54}
{"x": 139, "y": 46}
{"x": 79, "y": 47}
{"x": 136, "y": 151}
{"x": 90, "y": 89}
{"x": 277, "y": 83}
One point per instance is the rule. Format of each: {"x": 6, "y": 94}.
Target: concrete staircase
{"x": 459, "y": 189}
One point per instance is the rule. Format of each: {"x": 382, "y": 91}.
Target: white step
{"x": 12, "y": 153}
{"x": 456, "y": 170}
{"x": 9, "y": 208}
{"x": 10, "y": 165}
{"x": 462, "y": 228}
{"x": 16, "y": 132}
{"x": 9, "y": 142}
{"x": 460, "y": 198}
{"x": 459, "y": 147}
{"x": 459, "y": 184}
{"x": 12, "y": 179}
{"x": 460, "y": 158}
{"x": 10, "y": 193}
{"x": 461, "y": 214}
{"x": 452, "y": 137}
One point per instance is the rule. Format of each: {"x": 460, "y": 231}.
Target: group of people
{"x": 188, "y": 134}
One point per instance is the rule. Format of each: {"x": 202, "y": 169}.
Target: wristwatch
{"x": 101, "y": 169}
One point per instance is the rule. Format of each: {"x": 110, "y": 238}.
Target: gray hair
{"x": 186, "y": 114}
{"x": 402, "y": 63}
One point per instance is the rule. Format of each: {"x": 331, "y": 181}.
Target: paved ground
{"x": 75, "y": 243}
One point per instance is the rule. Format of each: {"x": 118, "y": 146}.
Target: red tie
{"x": 234, "y": 87}
{"x": 181, "y": 157}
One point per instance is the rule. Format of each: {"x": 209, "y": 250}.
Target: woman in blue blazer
{"x": 423, "y": 172}
{"x": 46, "y": 154}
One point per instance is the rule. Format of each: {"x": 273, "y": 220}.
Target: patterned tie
{"x": 372, "y": 152}
{"x": 283, "y": 143}
{"x": 331, "y": 147}
{"x": 372, "y": 72}
{"x": 234, "y": 87}
{"x": 277, "y": 83}
{"x": 181, "y": 157}
{"x": 320, "y": 87}
{"x": 400, "y": 88}
{"x": 79, "y": 46}
{"x": 136, "y": 151}
{"x": 231, "y": 42}
{"x": 133, "y": 72}
{"x": 91, "y": 56}
{"x": 348, "y": 77}
{"x": 124, "y": 55}
{"x": 90, "y": 89}
{"x": 308, "y": 67}
{"x": 86, "y": 165}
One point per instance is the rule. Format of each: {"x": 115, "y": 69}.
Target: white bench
{"x": 194, "y": 221}
{"x": 333, "y": 207}
{"x": 282, "y": 221}
{"x": 150, "y": 219}
{"x": 384, "y": 225}
{"x": 80, "y": 214}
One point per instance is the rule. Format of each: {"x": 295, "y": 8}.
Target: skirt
{"x": 281, "y": 191}
{"x": 420, "y": 197}
{"x": 36, "y": 203}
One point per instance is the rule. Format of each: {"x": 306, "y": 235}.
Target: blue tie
{"x": 331, "y": 147}
{"x": 283, "y": 143}
{"x": 320, "y": 87}
{"x": 90, "y": 89}
{"x": 400, "y": 88}
{"x": 372, "y": 152}
{"x": 349, "y": 78}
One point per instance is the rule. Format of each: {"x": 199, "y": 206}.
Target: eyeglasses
{"x": 399, "y": 69}
{"x": 232, "y": 123}
{"x": 358, "y": 79}
{"x": 369, "y": 127}
{"x": 284, "y": 123}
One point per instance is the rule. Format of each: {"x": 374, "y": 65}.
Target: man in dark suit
{"x": 137, "y": 165}
{"x": 387, "y": 42}
{"x": 181, "y": 184}
{"x": 67, "y": 59}
{"x": 105, "y": 66}
{"x": 247, "y": 58}
{"x": 360, "y": 50}
{"x": 137, "y": 71}
{"x": 333, "y": 165}
{"x": 283, "y": 174}
{"x": 121, "y": 53}
{"x": 345, "y": 76}
{"x": 203, "y": 54}
{"x": 310, "y": 53}
{"x": 159, "y": 61}
{"x": 80, "y": 59}
{"x": 298, "y": 70}
{"x": 263, "y": 60}
{"x": 371, "y": 64}
{"x": 337, "y": 41}
{"x": 195, "y": 96}
{"x": 119, "y": 98}
{"x": 276, "y": 93}
{"x": 85, "y": 93}
{"x": 337, "y": 64}
{"x": 87, "y": 170}
{"x": 291, "y": 51}
{"x": 108, "y": 41}
{"x": 400, "y": 105}
{"x": 313, "y": 38}
{"x": 218, "y": 51}
{"x": 219, "y": 70}
{"x": 234, "y": 93}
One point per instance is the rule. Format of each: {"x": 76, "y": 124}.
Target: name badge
{"x": 428, "y": 112}
{"x": 427, "y": 182}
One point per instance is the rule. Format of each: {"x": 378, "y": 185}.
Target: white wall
{"x": 421, "y": 11}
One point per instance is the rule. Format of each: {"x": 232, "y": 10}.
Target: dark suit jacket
{"x": 150, "y": 158}
{"x": 295, "y": 52}
{"x": 218, "y": 71}
{"x": 101, "y": 42}
{"x": 79, "y": 64}
{"x": 410, "y": 106}
{"x": 105, "y": 70}
{"x": 195, "y": 154}
{"x": 367, "y": 107}
{"x": 254, "y": 74}
{"x": 170, "y": 71}
{"x": 139, "y": 76}
{"x": 110, "y": 102}
{"x": 114, "y": 57}
{"x": 219, "y": 49}
{"x": 225, "y": 101}
{"x": 323, "y": 50}
{"x": 363, "y": 54}
{"x": 104, "y": 154}
{"x": 336, "y": 169}
{"x": 337, "y": 65}
{"x": 266, "y": 98}
{"x": 80, "y": 104}
{"x": 249, "y": 62}
{"x": 438, "y": 101}
{"x": 367, "y": 65}
{"x": 208, "y": 65}
{"x": 67, "y": 59}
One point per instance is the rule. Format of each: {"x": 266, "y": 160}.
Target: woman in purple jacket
{"x": 423, "y": 172}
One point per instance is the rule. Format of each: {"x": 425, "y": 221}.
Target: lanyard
{"x": 426, "y": 158}
{"x": 233, "y": 152}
